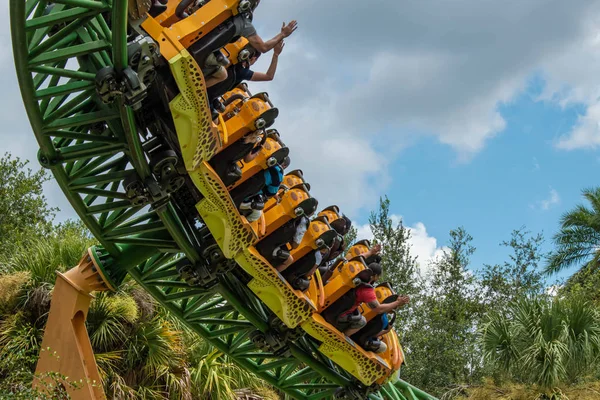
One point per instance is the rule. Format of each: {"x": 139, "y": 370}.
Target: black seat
{"x": 344, "y": 303}
{"x": 213, "y": 41}
{"x": 249, "y": 188}
{"x": 370, "y": 331}
{"x": 280, "y": 154}
{"x": 309, "y": 205}
{"x": 301, "y": 267}
{"x": 223, "y": 161}
{"x": 281, "y": 236}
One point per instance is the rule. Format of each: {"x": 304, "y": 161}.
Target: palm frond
{"x": 545, "y": 341}
{"x": 593, "y": 196}
{"x": 578, "y": 240}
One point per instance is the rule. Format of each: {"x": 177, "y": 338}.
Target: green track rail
{"x": 91, "y": 148}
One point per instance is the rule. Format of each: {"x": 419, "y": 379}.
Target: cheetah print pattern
{"x": 218, "y": 206}
{"x": 199, "y": 141}
{"x": 198, "y": 137}
{"x": 366, "y": 369}
{"x": 291, "y": 306}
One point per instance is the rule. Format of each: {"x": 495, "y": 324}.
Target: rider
{"x": 350, "y": 320}
{"x": 371, "y": 340}
{"x": 240, "y": 72}
{"x": 370, "y": 256}
{"x": 251, "y": 196}
{"x": 275, "y": 246}
{"x": 225, "y": 162}
{"x": 244, "y": 27}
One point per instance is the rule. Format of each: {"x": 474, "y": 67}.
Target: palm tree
{"x": 578, "y": 241}
{"x": 544, "y": 341}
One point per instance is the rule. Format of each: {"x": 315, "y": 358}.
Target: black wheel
{"x": 161, "y": 159}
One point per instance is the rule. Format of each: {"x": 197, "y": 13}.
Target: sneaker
{"x": 280, "y": 254}
{"x": 246, "y": 205}
{"x": 258, "y": 202}
{"x": 234, "y": 173}
{"x": 254, "y": 215}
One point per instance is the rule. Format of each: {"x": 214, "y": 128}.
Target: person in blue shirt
{"x": 241, "y": 72}
{"x": 250, "y": 196}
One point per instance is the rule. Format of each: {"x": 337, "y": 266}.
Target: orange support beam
{"x": 66, "y": 347}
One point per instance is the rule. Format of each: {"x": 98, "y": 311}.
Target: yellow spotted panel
{"x": 232, "y": 233}
{"x": 290, "y": 305}
{"x": 198, "y": 137}
{"x": 367, "y": 367}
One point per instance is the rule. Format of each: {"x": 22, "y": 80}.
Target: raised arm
{"x": 372, "y": 251}
{"x": 383, "y": 308}
{"x": 270, "y": 74}
{"x": 262, "y": 46}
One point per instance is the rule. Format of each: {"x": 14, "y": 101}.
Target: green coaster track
{"x": 92, "y": 150}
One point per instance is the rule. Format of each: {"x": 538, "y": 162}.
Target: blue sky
{"x": 507, "y": 185}
{"x": 474, "y": 113}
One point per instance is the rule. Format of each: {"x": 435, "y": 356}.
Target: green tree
{"x": 518, "y": 276}
{"x": 440, "y": 339}
{"x": 578, "y": 241}
{"x": 399, "y": 266}
{"x": 23, "y": 207}
{"x": 142, "y": 351}
{"x": 543, "y": 341}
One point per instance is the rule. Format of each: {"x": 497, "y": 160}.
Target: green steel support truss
{"x": 91, "y": 148}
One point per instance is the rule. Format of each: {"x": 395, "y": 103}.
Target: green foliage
{"x": 141, "y": 351}
{"x": 517, "y": 277}
{"x": 351, "y": 236}
{"x": 585, "y": 282}
{"x": 544, "y": 341}
{"x": 578, "y": 240}
{"x": 24, "y": 210}
{"x": 41, "y": 258}
{"x": 440, "y": 339}
{"x": 399, "y": 266}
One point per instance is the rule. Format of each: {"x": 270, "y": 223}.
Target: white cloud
{"x": 586, "y": 132}
{"x": 384, "y": 76}
{"x": 547, "y": 203}
{"x": 360, "y": 82}
{"x": 424, "y": 246}
{"x": 553, "y": 290}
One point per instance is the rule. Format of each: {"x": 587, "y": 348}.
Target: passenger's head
{"x": 377, "y": 270}
{"x": 255, "y": 55}
{"x": 285, "y": 163}
{"x": 348, "y": 224}
{"x": 339, "y": 225}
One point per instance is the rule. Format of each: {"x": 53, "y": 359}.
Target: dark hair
{"x": 339, "y": 225}
{"x": 376, "y": 268}
{"x": 348, "y": 223}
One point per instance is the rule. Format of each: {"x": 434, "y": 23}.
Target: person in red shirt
{"x": 351, "y": 320}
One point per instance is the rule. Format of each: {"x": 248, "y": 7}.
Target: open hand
{"x": 376, "y": 249}
{"x": 402, "y": 300}
{"x": 288, "y": 29}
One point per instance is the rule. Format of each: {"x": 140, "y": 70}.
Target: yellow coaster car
{"x": 186, "y": 42}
